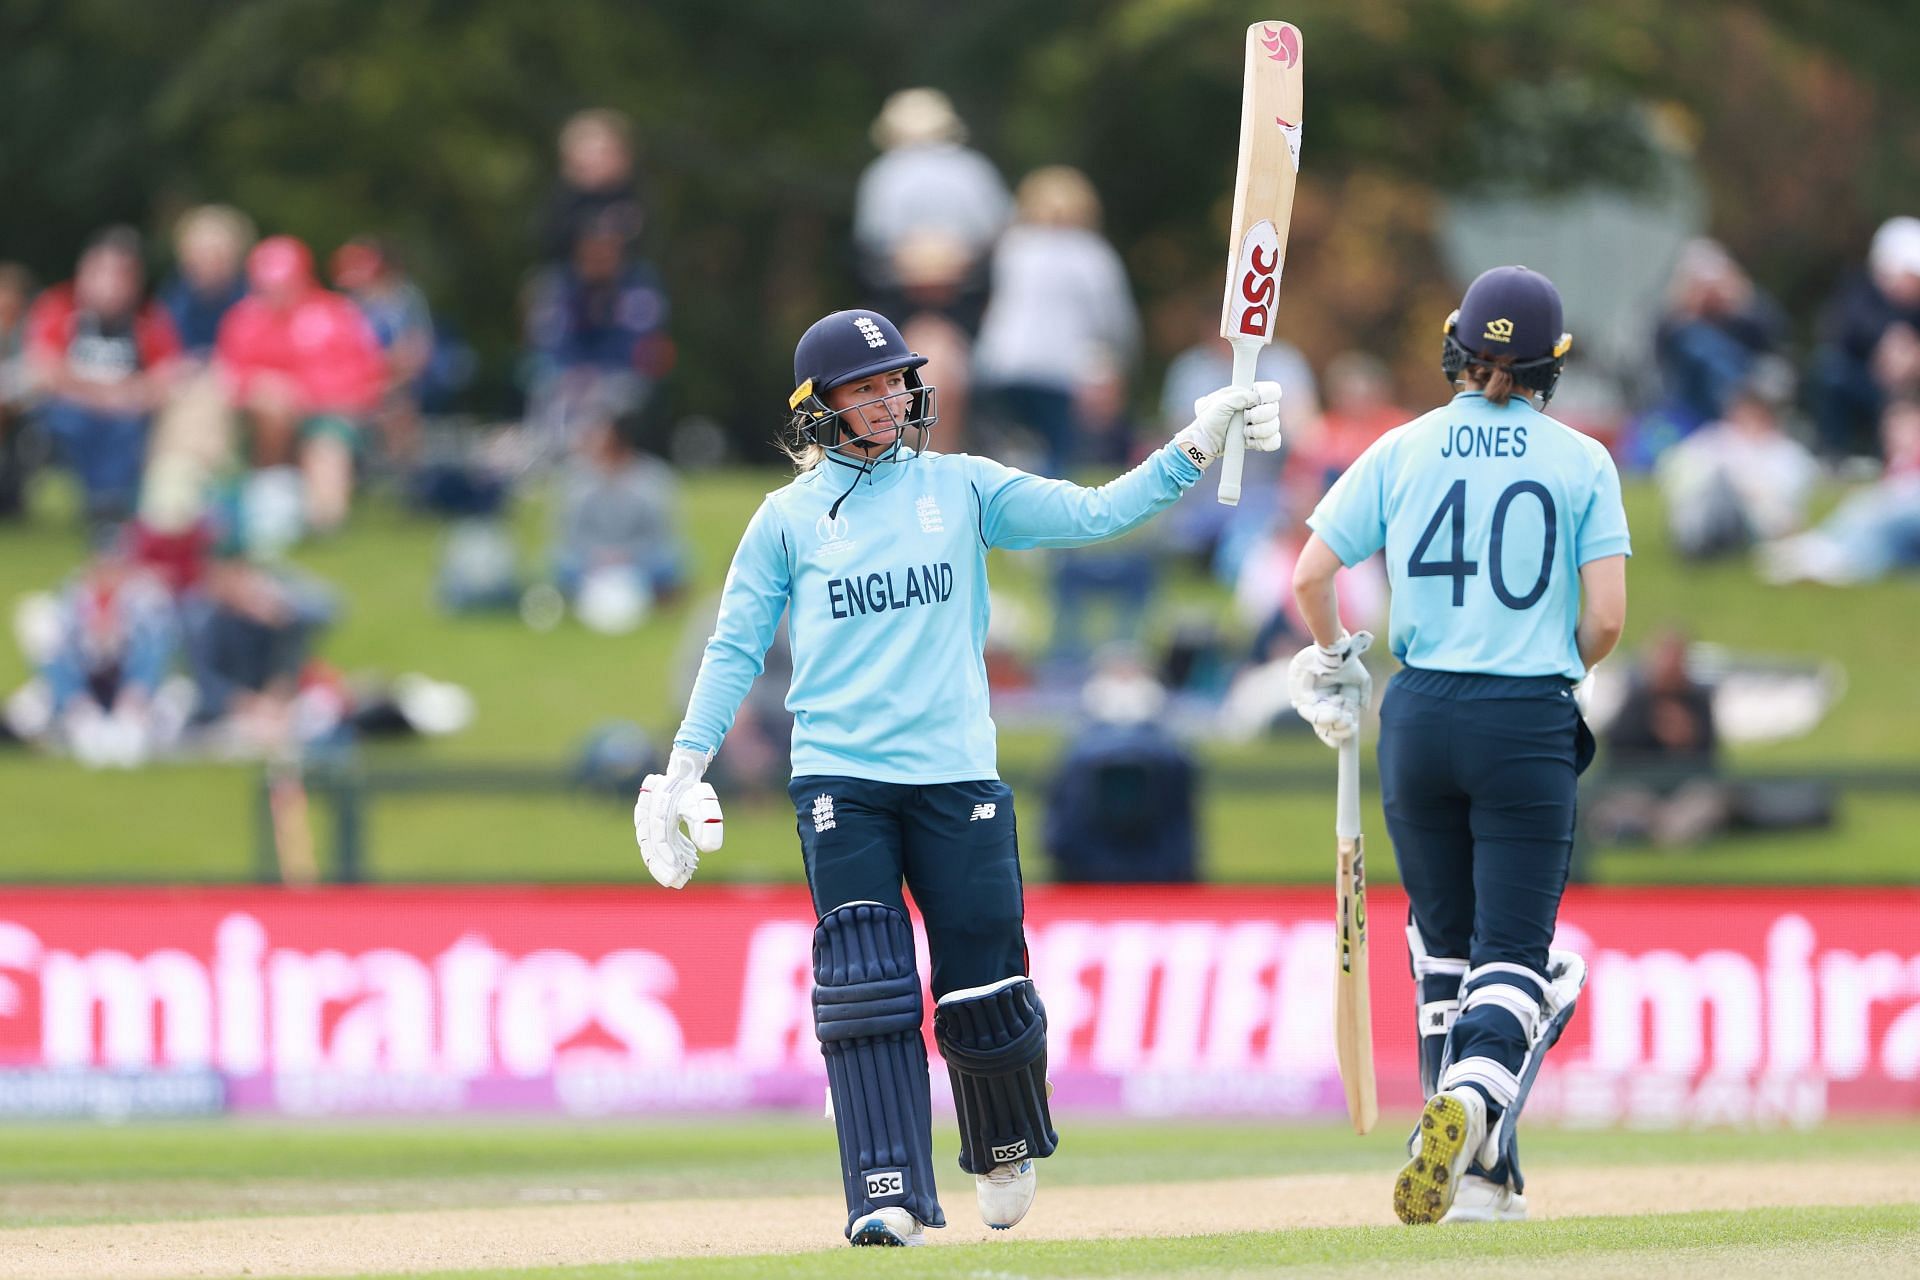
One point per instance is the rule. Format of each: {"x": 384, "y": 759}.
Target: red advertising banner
{"x": 1702, "y": 1006}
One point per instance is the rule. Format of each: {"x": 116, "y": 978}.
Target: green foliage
{"x": 433, "y": 122}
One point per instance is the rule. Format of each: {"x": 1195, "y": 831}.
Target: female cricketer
{"x": 877, "y": 553}
{"x": 1506, "y": 546}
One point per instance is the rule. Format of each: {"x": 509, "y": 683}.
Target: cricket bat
{"x": 1352, "y": 996}
{"x": 1270, "y": 99}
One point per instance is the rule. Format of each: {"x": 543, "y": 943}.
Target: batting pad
{"x": 1567, "y": 977}
{"x": 867, "y": 1012}
{"x": 994, "y": 1039}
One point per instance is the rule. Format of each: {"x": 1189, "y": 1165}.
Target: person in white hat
{"x": 1870, "y": 343}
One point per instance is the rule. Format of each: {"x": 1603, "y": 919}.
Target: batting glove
{"x": 677, "y": 818}
{"x": 1205, "y": 438}
{"x": 1330, "y": 686}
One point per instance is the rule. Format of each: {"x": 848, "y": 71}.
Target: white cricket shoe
{"x": 1006, "y": 1192}
{"x": 1452, "y": 1127}
{"x": 1479, "y": 1199}
{"x": 892, "y": 1226}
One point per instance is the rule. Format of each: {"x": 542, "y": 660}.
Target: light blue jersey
{"x": 1486, "y": 513}
{"x": 887, "y": 605}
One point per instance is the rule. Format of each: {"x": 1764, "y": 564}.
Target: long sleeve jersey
{"x": 887, "y": 605}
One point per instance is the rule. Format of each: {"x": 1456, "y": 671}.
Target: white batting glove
{"x": 1330, "y": 686}
{"x": 1205, "y": 438}
{"x": 677, "y": 818}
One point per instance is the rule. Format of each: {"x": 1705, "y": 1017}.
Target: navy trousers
{"x": 1478, "y": 777}
{"x": 952, "y": 844}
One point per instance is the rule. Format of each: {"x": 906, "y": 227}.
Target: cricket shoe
{"x": 1006, "y": 1192}
{"x": 891, "y": 1226}
{"x": 1479, "y": 1199}
{"x": 1452, "y": 1127}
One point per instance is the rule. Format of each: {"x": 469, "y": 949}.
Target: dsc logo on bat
{"x": 1257, "y": 281}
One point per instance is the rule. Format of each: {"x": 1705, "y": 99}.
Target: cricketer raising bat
{"x": 1270, "y": 101}
{"x": 1352, "y": 997}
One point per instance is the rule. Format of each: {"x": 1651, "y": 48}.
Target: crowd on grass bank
{"x": 238, "y": 401}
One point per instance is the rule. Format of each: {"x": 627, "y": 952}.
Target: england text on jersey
{"x": 878, "y": 592}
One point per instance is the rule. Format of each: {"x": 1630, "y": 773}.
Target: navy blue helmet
{"x": 1510, "y": 317}
{"x": 844, "y": 347}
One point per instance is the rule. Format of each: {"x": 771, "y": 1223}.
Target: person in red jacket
{"x": 303, "y": 367}
{"x": 102, "y": 356}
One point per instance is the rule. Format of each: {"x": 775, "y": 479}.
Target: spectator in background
{"x": 926, "y": 182}
{"x": 1870, "y": 343}
{"x": 1874, "y": 531}
{"x": 597, "y": 183}
{"x": 1742, "y": 479}
{"x": 1060, "y": 309}
{"x": 302, "y": 366}
{"x": 937, "y": 320}
{"x": 210, "y": 245}
{"x": 1716, "y": 326}
{"x": 16, "y": 386}
{"x": 116, "y": 643}
{"x": 368, "y": 270}
{"x": 1663, "y": 753}
{"x": 618, "y": 520}
{"x": 1207, "y": 529}
{"x": 102, "y": 357}
{"x": 1360, "y": 409}
{"x": 247, "y": 631}
{"x": 1124, "y": 806}
{"x": 1263, "y": 589}
{"x": 596, "y": 331}
{"x": 250, "y": 646}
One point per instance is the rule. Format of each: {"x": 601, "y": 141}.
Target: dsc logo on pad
{"x": 889, "y": 1182}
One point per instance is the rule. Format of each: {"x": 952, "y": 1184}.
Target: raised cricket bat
{"x": 1270, "y": 101}
{"x": 1352, "y": 997}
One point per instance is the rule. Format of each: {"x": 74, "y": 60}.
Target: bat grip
{"x": 1246, "y": 358}
{"x": 1346, "y": 814}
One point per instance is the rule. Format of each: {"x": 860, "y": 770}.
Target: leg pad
{"x": 994, "y": 1039}
{"x": 867, "y": 1011}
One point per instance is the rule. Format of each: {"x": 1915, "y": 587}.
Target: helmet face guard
{"x": 1540, "y": 374}
{"x": 835, "y": 429}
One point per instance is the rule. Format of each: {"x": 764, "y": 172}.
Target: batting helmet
{"x": 844, "y": 347}
{"x": 1510, "y": 318}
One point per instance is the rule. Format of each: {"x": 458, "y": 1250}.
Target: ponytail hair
{"x": 1493, "y": 379}
{"x": 797, "y": 442}
{"x": 803, "y": 453}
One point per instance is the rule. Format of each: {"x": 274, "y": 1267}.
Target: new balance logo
{"x": 870, "y": 331}
{"x": 984, "y": 812}
{"x": 889, "y": 1183}
{"x": 1011, "y": 1152}
{"x": 823, "y": 813}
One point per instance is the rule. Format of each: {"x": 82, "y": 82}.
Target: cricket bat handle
{"x": 1246, "y": 358}
{"x": 1346, "y": 812}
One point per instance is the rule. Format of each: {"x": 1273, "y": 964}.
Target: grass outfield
{"x": 74, "y": 1198}
{"x": 538, "y": 694}
{"x": 1811, "y": 1242}
{"x": 81, "y": 1173}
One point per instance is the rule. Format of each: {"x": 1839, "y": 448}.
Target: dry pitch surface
{"x": 551, "y": 1235}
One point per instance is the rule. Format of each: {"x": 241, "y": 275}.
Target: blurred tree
{"x": 434, "y": 120}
